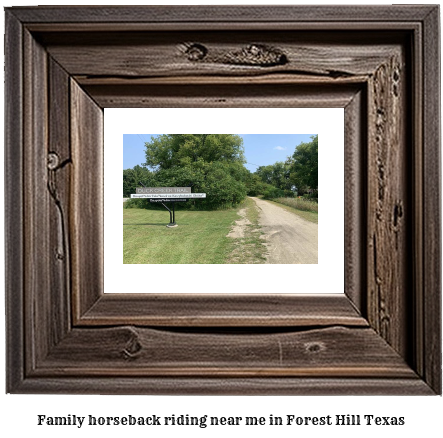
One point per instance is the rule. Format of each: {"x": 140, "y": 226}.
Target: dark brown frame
{"x": 64, "y": 65}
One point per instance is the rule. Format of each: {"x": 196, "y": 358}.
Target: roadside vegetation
{"x": 293, "y": 183}
{"x": 201, "y": 236}
{"x": 299, "y": 204}
{"x": 306, "y": 209}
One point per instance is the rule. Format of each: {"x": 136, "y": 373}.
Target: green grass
{"x": 201, "y": 236}
{"x": 293, "y": 205}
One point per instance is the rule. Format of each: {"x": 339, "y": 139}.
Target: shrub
{"x": 272, "y": 192}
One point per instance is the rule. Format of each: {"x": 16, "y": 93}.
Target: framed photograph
{"x": 65, "y": 65}
{"x": 253, "y": 253}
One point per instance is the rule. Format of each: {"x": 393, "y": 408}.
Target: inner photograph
{"x": 264, "y": 210}
{"x": 220, "y": 198}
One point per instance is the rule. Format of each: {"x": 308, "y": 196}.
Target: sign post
{"x": 164, "y": 195}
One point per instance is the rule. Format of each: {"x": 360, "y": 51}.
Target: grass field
{"x": 201, "y": 236}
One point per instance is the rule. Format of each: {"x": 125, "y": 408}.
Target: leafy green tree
{"x": 135, "y": 177}
{"x": 304, "y": 165}
{"x": 222, "y": 186}
{"x": 254, "y": 185}
{"x": 170, "y": 150}
{"x": 272, "y": 192}
{"x": 276, "y": 174}
{"x": 209, "y": 163}
{"x": 265, "y": 173}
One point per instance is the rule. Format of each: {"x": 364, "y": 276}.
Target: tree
{"x": 276, "y": 174}
{"x": 170, "y": 150}
{"x": 209, "y": 163}
{"x": 265, "y": 173}
{"x": 133, "y": 178}
{"x": 304, "y": 165}
{"x": 254, "y": 185}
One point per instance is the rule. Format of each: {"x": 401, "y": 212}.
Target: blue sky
{"x": 260, "y": 149}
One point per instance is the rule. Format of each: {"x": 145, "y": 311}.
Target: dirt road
{"x": 290, "y": 239}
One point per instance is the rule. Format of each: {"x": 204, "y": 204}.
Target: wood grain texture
{"x": 169, "y": 54}
{"x": 226, "y": 14}
{"x": 417, "y": 246}
{"x": 86, "y": 209}
{"x": 388, "y": 204}
{"x": 37, "y": 257}
{"x": 265, "y": 79}
{"x": 47, "y": 304}
{"x": 59, "y": 167}
{"x": 14, "y": 238}
{"x": 129, "y": 351}
{"x": 431, "y": 316}
{"x": 226, "y": 96}
{"x": 355, "y": 187}
{"x": 79, "y": 340}
{"x": 231, "y": 26}
{"x": 289, "y": 386}
{"x": 205, "y": 310}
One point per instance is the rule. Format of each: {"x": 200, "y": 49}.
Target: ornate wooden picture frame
{"x": 65, "y": 64}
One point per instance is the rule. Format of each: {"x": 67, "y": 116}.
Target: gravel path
{"x": 290, "y": 239}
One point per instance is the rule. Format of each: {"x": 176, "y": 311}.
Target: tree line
{"x": 215, "y": 164}
{"x": 298, "y": 175}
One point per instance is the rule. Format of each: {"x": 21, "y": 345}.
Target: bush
{"x": 133, "y": 203}
{"x": 272, "y": 192}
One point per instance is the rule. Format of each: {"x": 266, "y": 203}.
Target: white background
{"x": 325, "y": 277}
{"x": 18, "y": 413}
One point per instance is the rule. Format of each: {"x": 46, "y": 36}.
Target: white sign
{"x": 170, "y": 195}
{"x": 149, "y": 190}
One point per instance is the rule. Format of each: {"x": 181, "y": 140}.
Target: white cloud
{"x": 279, "y": 148}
